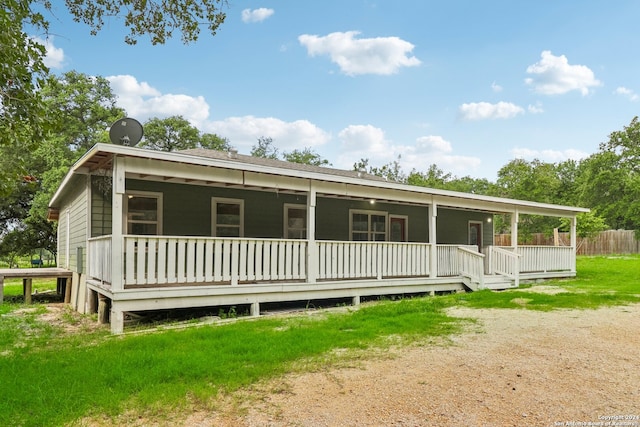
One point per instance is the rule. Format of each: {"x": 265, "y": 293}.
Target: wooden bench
{"x": 27, "y": 275}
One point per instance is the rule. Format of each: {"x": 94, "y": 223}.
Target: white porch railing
{"x": 99, "y": 258}
{"x": 534, "y": 259}
{"x": 448, "y": 264}
{"x": 168, "y": 260}
{"x": 505, "y": 263}
{"x": 162, "y": 260}
{"x": 359, "y": 260}
{"x": 471, "y": 264}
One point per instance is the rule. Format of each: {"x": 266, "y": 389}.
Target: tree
{"x": 467, "y": 184}
{"x": 626, "y": 144}
{"x": 22, "y": 71}
{"x": 176, "y": 133}
{"x": 23, "y": 117}
{"x": 15, "y": 207}
{"x": 82, "y": 108}
{"x": 611, "y": 188}
{"x": 212, "y": 141}
{"x": 306, "y": 156}
{"x": 392, "y": 171}
{"x": 265, "y": 149}
{"x": 433, "y": 178}
{"x": 588, "y": 226}
{"x": 170, "y": 134}
{"x": 157, "y": 19}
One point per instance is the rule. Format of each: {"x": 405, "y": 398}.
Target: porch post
{"x": 433, "y": 252}
{"x": 312, "y": 248}
{"x": 574, "y": 241}
{"x": 514, "y": 229}
{"x": 117, "y": 191}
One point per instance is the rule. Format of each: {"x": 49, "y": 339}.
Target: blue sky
{"x": 467, "y": 85}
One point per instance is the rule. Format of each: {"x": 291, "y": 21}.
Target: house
{"x": 146, "y": 230}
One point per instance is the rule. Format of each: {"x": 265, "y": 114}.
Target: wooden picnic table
{"x": 28, "y": 274}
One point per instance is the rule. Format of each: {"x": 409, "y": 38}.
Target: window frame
{"x": 214, "y": 216}
{"x": 370, "y": 232}
{"x": 286, "y": 228}
{"x": 159, "y": 209}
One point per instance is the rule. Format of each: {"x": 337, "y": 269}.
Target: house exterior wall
{"x": 187, "y": 212}
{"x": 72, "y": 228}
{"x": 332, "y": 218}
{"x": 73, "y": 219}
{"x": 187, "y": 208}
{"x": 453, "y": 226}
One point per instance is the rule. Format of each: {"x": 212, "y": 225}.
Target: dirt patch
{"x": 545, "y": 289}
{"x": 63, "y": 316}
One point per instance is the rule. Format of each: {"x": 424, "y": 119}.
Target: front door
{"x": 475, "y": 234}
{"x": 397, "y": 229}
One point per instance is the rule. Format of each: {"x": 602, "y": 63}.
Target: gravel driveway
{"x": 511, "y": 368}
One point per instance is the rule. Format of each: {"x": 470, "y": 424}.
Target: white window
{"x": 368, "y": 225}
{"x": 227, "y": 217}
{"x": 144, "y": 213}
{"x": 295, "y": 221}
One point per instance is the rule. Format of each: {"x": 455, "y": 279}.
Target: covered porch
{"x": 175, "y": 272}
{"x": 204, "y": 228}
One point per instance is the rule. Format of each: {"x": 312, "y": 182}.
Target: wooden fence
{"x": 607, "y": 242}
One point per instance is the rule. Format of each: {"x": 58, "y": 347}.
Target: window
{"x": 227, "y": 217}
{"x": 144, "y": 213}
{"x": 295, "y": 221}
{"x": 368, "y": 226}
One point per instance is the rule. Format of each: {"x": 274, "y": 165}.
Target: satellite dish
{"x": 126, "y": 131}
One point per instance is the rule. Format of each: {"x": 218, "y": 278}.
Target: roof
{"x": 101, "y": 156}
{"x": 261, "y": 161}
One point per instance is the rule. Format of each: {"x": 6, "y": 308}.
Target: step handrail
{"x": 505, "y": 263}
{"x": 471, "y": 265}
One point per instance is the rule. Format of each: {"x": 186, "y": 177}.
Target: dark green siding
{"x": 453, "y": 226}
{"x": 332, "y": 218}
{"x": 187, "y": 208}
{"x": 187, "y": 212}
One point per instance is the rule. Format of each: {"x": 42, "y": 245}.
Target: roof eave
{"x": 501, "y": 204}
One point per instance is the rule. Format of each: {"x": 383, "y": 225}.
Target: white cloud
{"x": 243, "y": 132}
{"x": 628, "y": 93}
{"x": 54, "y": 56}
{"x": 433, "y": 144}
{"x": 380, "y": 55}
{"x": 553, "y": 75}
{"x": 369, "y": 142}
{"x": 256, "y": 15}
{"x": 485, "y": 111}
{"x": 553, "y": 156}
{"x": 496, "y": 87}
{"x": 359, "y": 138}
{"x": 433, "y": 149}
{"x": 535, "y": 109}
{"x": 142, "y": 101}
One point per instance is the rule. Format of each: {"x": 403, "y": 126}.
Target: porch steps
{"x": 497, "y": 282}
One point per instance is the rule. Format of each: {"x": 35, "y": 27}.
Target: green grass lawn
{"x": 52, "y": 378}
